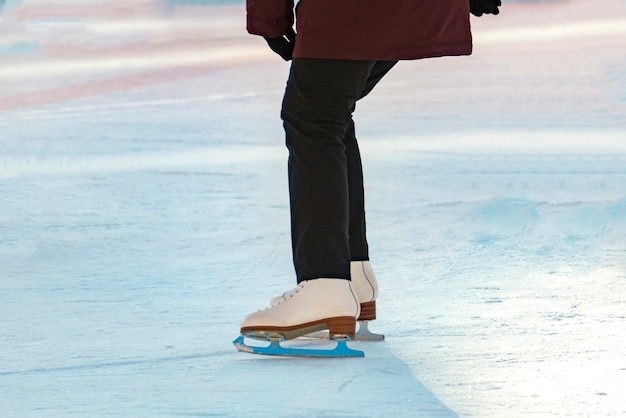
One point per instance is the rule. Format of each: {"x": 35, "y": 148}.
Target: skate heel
{"x": 368, "y": 311}
{"x": 341, "y": 327}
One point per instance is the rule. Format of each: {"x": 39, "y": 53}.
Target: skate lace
{"x": 277, "y": 300}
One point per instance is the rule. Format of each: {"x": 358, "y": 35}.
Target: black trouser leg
{"x": 325, "y": 174}
{"x": 357, "y": 239}
{"x": 359, "y": 250}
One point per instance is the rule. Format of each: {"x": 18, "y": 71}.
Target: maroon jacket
{"x": 367, "y": 29}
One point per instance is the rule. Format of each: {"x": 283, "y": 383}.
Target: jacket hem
{"x": 387, "y": 55}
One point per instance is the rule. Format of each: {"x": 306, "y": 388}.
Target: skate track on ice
{"x": 143, "y": 213}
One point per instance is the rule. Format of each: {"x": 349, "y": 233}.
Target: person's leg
{"x": 359, "y": 250}
{"x": 361, "y": 272}
{"x": 379, "y": 70}
{"x": 317, "y": 114}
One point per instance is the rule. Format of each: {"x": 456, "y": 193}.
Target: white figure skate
{"x": 366, "y": 287}
{"x": 315, "y": 305}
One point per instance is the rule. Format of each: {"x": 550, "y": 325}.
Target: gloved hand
{"x": 284, "y": 45}
{"x": 478, "y": 7}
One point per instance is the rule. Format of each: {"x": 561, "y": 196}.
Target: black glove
{"x": 478, "y": 7}
{"x": 284, "y": 45}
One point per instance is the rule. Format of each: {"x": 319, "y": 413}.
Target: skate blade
{"x": 363, "y": 334}
{"x": 276, "y": 349}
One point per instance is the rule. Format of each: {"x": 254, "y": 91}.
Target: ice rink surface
{"x": 144, "y": 213}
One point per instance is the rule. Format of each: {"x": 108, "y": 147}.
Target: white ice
{"x": 144, "y": 213}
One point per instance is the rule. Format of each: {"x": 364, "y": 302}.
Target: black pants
{"x": 325, "y": 172}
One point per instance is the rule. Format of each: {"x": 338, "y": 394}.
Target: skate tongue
{"x": 277, "y": 299}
